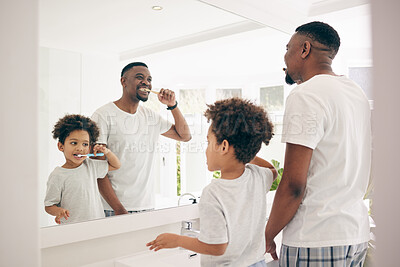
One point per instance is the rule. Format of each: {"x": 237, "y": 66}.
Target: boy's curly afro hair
{"x": 69, "y": 123}
{"x": 243, "y": 124}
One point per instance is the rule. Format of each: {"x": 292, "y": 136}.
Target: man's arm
{"x": 190, "y": 243}
{"x": 290, "y": 192}
{"x": 180, "y": 130}
{"x": 107, "y": 192}
{"x": 263, "y": 163}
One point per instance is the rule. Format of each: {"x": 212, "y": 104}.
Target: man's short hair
{"x": 131, "y": 65}
{"x": 322, "y": 33}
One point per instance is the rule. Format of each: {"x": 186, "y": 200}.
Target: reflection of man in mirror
{"x": 132, "y": 132}
{"x": 327, "y": 131}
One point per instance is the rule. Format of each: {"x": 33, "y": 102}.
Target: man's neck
{"x": 127, "y": 105}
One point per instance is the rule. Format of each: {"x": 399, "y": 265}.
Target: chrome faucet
{"x": 187, "y": 229}
{"x": 187, "y": 194}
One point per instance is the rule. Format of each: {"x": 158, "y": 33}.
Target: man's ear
{"x": 306, "y": 48}
{"x": 123, "y": 81}
{"x": 60, "y": 146}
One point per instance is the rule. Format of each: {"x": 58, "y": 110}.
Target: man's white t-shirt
{"x": 134, "y": 140}
{"x": 234, "y": 212}
{"x": 331, "y": 115}
{"x": 76, "y": 190}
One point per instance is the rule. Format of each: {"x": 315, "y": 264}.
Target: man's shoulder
{"x": 105, "y": 108}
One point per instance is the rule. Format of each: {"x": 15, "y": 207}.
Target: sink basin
{"x": 169, "y": 258}
{"x": 165, "y": 257}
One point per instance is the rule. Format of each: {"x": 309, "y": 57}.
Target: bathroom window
{"x": 192, "y": 174}
{"x": 272, "y": 98}
{"x": 362, "y": 76}
{"x": 227, "y": 93}
{"x": 192, "y": 101}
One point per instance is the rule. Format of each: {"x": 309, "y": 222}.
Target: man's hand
{"x": 271, "y": 248}
{"x": 164, "y": 241}
{"x": 167, "y": 97}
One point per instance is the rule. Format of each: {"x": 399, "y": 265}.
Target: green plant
{"x": 217, "y": 174}
{"x": 279, "y": 177}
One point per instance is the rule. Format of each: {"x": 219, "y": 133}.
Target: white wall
{"x": 386, "y": 129}
{"x": 19, "y": 229}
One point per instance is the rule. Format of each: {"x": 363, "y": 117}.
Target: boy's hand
{"x": 100, "y": 148}
{"x": 164, "y": 241}
{"x": 61, "y": 213}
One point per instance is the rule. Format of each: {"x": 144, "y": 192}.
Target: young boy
{"x": 72, "y": 193}
{"x": 233, "y": 208}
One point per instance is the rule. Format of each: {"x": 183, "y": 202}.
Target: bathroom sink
{"x": 165, "y": 257}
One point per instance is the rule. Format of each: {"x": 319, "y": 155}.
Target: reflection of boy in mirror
{"x": 132, "y": 132}
{"x": 233, "y": 208}
{"x": 72, "y": 193}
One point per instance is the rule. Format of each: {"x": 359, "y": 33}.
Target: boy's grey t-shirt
{"x": 76, "y": 190}
{"x": 234, "y": 212}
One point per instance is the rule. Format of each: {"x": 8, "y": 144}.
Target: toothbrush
{"x": 148, "y": 90}
{"x": 91, "y": 155}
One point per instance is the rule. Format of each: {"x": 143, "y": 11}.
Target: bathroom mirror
{"x": 200, "y": 51}
{"x": 190, "y": 47}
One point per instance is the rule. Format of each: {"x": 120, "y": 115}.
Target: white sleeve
{"x": 99, "y": 167}
{"x": 304, "y": 119}
{"x": 265, "y": 173}
{"x": 53, "y": 192}
{"x": 164, "y": 124}
{"x": 213, "y": 229}
{"x": 103, "y": 127}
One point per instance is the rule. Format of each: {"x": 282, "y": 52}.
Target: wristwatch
{"x": 174, "y": 106}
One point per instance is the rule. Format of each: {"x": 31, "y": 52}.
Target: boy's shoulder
{"x": 258, "y": 169}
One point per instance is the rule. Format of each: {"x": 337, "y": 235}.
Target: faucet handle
{"x": 187, "y": 225}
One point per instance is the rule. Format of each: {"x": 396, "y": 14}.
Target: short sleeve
{"x": 99, "y": 167}
{"x": 164, "y": 125}
{"x": 103, "y": 127}
{"x": 265, "y": 173}
{"x": 213, "y": 228}
{"x": 53, "y": 192}
{"x": 303, "y": 122}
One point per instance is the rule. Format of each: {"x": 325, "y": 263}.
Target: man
{"x": 132, "y": 132}
{"x": 327, "y": 132}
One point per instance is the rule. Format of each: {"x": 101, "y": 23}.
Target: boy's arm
{"x": 190, "y": 243}
{"x": 263, "y": 163}
{"x": 58, "y": 212}
{"x": 113, "y": 161}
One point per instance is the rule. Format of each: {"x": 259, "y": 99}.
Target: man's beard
{"x": 289, "y": 79}
{"x": 141, "y": 98}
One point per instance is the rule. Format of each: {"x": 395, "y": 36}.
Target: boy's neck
{"x": 232, "y": 171}
{"x": 69, "y": 165}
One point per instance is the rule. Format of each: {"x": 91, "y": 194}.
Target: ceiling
{"x": 132, "y": 28}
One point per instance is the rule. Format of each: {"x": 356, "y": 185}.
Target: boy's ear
{"x": 60, "y": 146}
{"x": 224, "y": 146}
